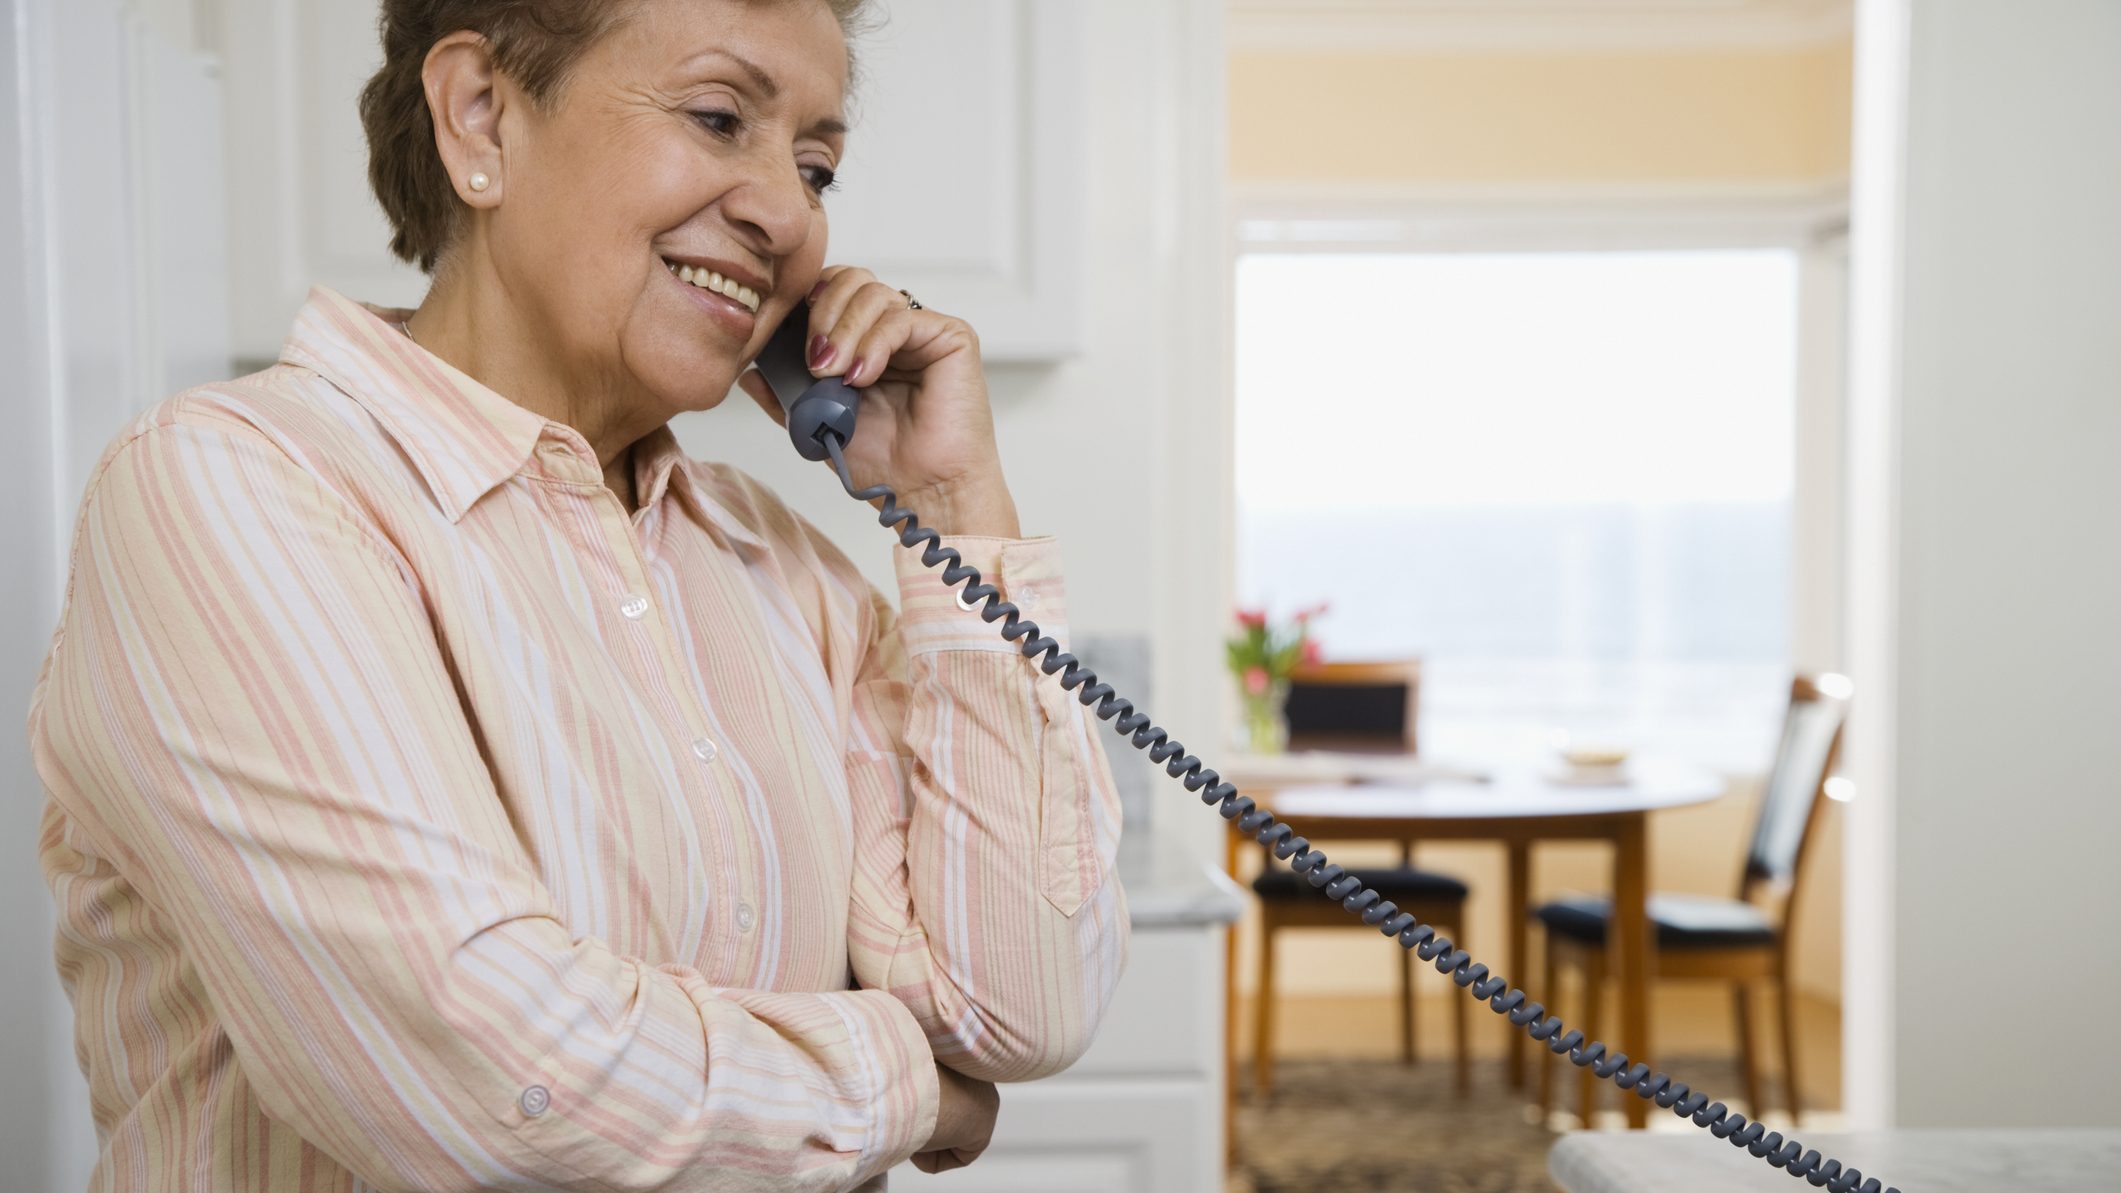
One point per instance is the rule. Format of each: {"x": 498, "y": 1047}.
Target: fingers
{"x": 853, "y": 303}
{"x": 860, "y": 327}
{"x": 837, "y": 284}
{"x": 880, "y": 342}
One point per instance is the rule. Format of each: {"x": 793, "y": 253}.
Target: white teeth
{"x": 707, "y": 279}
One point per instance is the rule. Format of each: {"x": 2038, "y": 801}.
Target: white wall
{"x": 28, "y": 995}
{"x": 112, "y": 295}
{"x": 1985, "y": 889}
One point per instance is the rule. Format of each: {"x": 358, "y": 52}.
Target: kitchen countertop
{"x": 2052, "y": 1160}
{"x": 1168, "y": 887}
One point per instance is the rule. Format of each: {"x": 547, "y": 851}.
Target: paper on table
{"x": 1332, "y": 766}
{"x": 1587, "y": 776}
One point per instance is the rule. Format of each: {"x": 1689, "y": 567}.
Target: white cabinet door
{"x": 1092, "y": 1137}
{"x": 965, "y": 172}
{"x": 1141, "y": 1112}
{"x": 966, "y": 169}
{"x": 300, "y": 211}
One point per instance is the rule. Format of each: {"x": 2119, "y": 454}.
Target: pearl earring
{"x": 479, "y": 182}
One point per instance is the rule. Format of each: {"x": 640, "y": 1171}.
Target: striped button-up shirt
{"x": 420, "y": 818}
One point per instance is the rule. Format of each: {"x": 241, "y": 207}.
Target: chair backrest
{"x": 1355, "y": 706}
{"x": 1796, "y": 784}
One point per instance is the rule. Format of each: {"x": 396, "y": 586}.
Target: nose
{"x": 771, "y": 205}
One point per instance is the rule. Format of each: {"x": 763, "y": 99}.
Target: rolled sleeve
{"x": 985, "y": 895}
{"x": 1027, "y": 571}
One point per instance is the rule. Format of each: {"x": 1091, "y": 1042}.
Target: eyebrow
{"x": 830, "y": 125}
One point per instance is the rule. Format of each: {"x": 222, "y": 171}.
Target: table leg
{"x": 1518, "y": 881}
{"x": 1631, "y": 946}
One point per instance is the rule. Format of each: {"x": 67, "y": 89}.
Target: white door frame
{"x": 110, "y": 160}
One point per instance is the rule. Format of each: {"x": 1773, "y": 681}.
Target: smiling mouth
{"x": 709, "y": 280}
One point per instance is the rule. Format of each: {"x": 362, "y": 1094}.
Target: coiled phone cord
{"x": 1334, "y": 881}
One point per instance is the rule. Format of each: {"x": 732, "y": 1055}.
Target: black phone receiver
{"x": 816, "y": 406}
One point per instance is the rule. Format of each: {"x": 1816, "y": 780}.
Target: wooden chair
{"x": 1742, "y": 941}
{"x": 1367, "y": 707}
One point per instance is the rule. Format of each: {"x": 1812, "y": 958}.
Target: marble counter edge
{"x": 2069, "y": 1159}
{"x": 1168, "y": 887}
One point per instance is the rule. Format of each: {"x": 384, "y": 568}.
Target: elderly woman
{"x": 453, "y": 785}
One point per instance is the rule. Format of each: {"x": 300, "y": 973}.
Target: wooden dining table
{"x": 1373, "y": 798}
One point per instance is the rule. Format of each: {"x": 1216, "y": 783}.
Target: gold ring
{"x": 912, "y": 303}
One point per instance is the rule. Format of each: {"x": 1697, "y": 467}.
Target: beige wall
{"x": 1771, "y": 121}
{"x": 1724, "y": 117}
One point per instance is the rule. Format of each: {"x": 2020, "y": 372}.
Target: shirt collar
{"x": 463, "y": 438}
{"x": 660, "y": 465}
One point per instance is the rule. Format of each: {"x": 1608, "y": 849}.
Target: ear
{"x": 465, "y": 98}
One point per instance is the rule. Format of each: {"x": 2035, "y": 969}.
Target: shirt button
{"x": 1025, "y": 598}
{"x": 969, "y": 606}
{"x": 703, "y": 749}
{"x": 634, "y": 607}
{"x": 535, "y": 1100}
{"x": 744, "y": 917}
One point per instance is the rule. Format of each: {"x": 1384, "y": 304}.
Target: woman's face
{"x": 700, "y": 135}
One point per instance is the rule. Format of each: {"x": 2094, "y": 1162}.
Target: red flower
{"x": 1303, "y": 616}
{"x": 1252, "y": 619}
{"x": 1256, "y": 680}
{"x": 1312, "y": 654}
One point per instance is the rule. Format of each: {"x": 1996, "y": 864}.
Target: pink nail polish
{"x": 854, "y": 370}
{"x": 820, "y": 352}
{"x": 819, "y": 288}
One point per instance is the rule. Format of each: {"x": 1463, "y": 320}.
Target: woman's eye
{"x": 821, "y": 178}
{"x": 720, "y": 123}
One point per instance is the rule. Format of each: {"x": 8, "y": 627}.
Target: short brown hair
{"x": 535, "y": 42}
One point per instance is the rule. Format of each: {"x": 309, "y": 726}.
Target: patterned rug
{"x": 1381, "y": 1127}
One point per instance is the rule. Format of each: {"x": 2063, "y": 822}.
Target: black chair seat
{"x": 1398, "y": 883}
{"x": 1682, "y": 921}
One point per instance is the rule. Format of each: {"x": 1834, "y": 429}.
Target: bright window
{"x": 1562, "y": 479}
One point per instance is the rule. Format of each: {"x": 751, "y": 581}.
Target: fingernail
{"x": 820, "y": 352}
{"x": 819, "y": 288}
{"x": 854, "y": 370}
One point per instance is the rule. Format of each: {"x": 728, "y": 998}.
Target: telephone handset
{"x": 815, "y": 406}
{"x": 821, "y": 418}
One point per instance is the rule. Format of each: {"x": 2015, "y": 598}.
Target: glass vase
{"x": 1266, "y": 720}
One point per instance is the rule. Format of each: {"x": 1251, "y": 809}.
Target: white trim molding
{"x": 1590, "y": 26}
{"x": 1870, "y": 860}
{"x": 1487, "y": 219}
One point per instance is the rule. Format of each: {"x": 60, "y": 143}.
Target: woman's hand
{"x": 964, "y": 1122}
{"x": 925, "y": 426}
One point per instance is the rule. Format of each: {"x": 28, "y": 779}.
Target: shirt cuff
{"x": 1027, "y": 571}
{"x": 904, "y": 1092}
